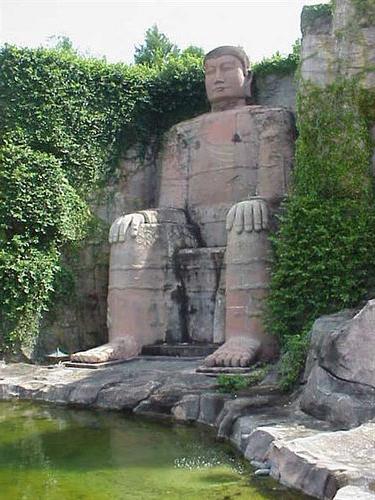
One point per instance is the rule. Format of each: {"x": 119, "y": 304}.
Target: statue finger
{"x": 265, "y": 220}
{"x": 230, "y": 218}
{"x": 136, "y": 222}
{"x": 113, "y": 232}
{"x": 257, "y": 216}
{"x": 248, "y": 218}
{"x": 153, "y": 219}
{"x": 124, "y": 227}
{"x": 239, "y": 219}
{"x": 150, "y": 216}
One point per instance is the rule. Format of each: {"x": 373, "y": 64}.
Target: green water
{"x": 54, "y": 453}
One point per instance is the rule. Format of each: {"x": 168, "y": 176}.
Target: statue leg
{"x": 142, "y": 298}
{"x": 247, "y": 279}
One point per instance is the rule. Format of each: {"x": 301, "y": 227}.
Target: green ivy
{"x": 235, "y": 383}
{"x": 312, "y": 12}
{"x": 325, "y": 248}
{"x": 65, "y": 121}
{"x": 279, "y": 64}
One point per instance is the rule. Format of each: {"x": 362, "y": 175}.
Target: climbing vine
{"x": 65, "y": 122}
{"x": 324, "y": 251}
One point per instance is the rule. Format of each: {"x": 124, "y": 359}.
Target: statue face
{"x": 225, "y": 79}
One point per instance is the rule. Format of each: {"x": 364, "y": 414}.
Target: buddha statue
{"x": 221, "y": 179}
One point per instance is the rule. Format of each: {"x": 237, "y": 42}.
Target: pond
{"x": 55, "y": 453}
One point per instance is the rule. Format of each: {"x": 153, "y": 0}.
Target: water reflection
{"x": 54, "y": 453}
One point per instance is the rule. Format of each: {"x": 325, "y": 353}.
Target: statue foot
{"x": 237, "y": 351}
{"x": 124, "y": 348}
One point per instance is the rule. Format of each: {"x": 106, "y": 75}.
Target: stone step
{"x": 179, "y": 350}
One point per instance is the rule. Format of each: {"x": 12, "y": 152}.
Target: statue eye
{"x": 227, "y": 67}
{"x": 210, "y": 70}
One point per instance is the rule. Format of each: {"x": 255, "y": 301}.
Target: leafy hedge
{"x": 65, "y": 120}
{"x": 325, "y": 249}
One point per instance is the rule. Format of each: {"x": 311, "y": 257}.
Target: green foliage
{"x": 365, "y": 11}
{"x": 325, "y": 248}
{"x": 278, "y": 64}
{"x": 156, "y": 48}
{"x": 236, "y": 383}
{"x": 312, "y": 12}
{"x": 65, "y": 122}
{"x": 61, "y": 42}
{"x": 293, "y": 360}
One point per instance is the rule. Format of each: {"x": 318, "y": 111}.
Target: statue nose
{"x": 219, "y": 76}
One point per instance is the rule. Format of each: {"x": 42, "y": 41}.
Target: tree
{"x": 156, "y": 48}
{"x": 61, "y": 42}
{"x": 194, "y": 51}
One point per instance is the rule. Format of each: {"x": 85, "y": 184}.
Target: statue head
{"x": 227, "y": 77}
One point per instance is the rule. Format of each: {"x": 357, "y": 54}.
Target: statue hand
{"x": 250, "y": 215}
{"x": 129, "y": 224}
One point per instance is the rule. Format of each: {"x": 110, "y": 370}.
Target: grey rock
{"x": 262, "y": 472}
{"x": 342, "y": 403}
{"x": 187, "y": 409}
{"x": 124, "y": 396}
{"x": 340, "y": 371}
{"x": 260, "y": 440}
{"x": 211, "y": 405}
{"x": 236, "y": 408}
{"x": 319, "y": 464}
{"x": 259, "y": 465}
{"x": 322, "y": 327}
{"x": 348, "y": 352}
{"x": 351, "y": 492}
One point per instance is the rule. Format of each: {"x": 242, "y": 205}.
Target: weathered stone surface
{"x": 211, "y": 405}
{"x": 339, "y": 45}
{"x": 200, "y": 270}
{"x": 261, "y": 438}
{"x": 318, "y": 59}
{"x": 123, "y": 396}
{"x": 343, "y": 403}
{"x": 320, "y": 464}
{"x": 353, "y": 492}
{"x": 187, "y": 410}
{"x": 348, "y": 352}
{"x": 275, "y": 90}
{"x": 238, "y": 407}
{"x": 340, "y": 370}
{"x": 320, "y": 329}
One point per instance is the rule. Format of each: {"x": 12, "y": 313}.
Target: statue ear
{"x": 247, "y": 84}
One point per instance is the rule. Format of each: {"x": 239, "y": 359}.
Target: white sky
{"x": 113, "y": 27}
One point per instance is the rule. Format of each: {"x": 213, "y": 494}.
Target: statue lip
{"x": 220, "y": 88}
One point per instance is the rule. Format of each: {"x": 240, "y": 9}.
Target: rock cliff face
{"x": 338, "y": 45}
{"x": 340, "y": 369}
{"x": 339, "y": 375}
